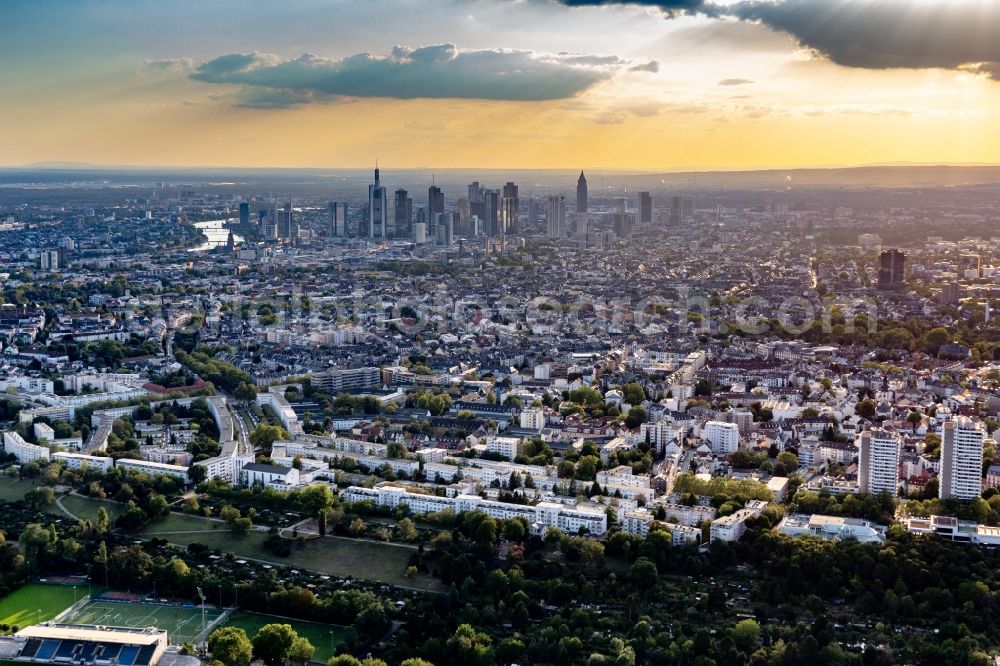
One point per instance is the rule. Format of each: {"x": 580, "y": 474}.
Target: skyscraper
{"x": 891, "y": 269}
{"x": 645, "y": 209}
{"x": 491, "y": 213}
{"x": 476, "y": 200}
{"x": 674, "y": 219}
{"x": 464, "y": 214}
{"x": 508, "y": 209}
{"x": 532, "y": 212}
{"x": 378, "y": 214}
{"x": 878, "y": 462}
{"x": 581, "y": 194}
{"x": 623, "y": 223}
{"x": 435, "y": 201}
{"x": 961, "y": 474}
{"x": 337, "y": 219}
{"x": 244, "y": 213}
{"x": 288, "y": 228}
{"x": 557, "y": 216}
{"x": 402, "y": 214}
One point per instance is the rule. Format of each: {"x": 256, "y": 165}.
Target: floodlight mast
{"x": 204, "y": 638}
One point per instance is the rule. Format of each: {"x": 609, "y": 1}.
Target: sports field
{"x": 324, "y": 637}
{"x": 182, "y": 623}
{"x": 37, "y": 602}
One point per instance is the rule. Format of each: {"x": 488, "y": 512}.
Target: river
{"x": 215, "y": 233}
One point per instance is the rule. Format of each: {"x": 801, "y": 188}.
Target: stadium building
{"x": 53, "y": 643}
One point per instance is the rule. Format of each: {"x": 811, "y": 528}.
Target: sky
{"x": 649, "y": 85}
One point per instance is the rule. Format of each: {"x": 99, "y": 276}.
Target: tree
{"x": 245, "y": 392}
{"x": 406, "y": 530}
{"x": 866, "y": 409}
{"x": 273, "y": 643}
{"x": 470, "y": 647}
{"x": 343, "y": 660}
{"x": 301, "y": 651}
{"x": 231, "y": 646}
{"x": 197, "y": 473}
{"x": 514, "y": 530}
{"x": 103, "y": 520}
{"x": 40, "y": 497}
{"x": 415, "y": 661}
{"x": 636, "y": 416}
{"x": 746, "y": 635}
{"x": 264, "y": 435}
{"x": 914, "y": 419}
{"x": 633, "y": 394}
{"x": 315, "y": 499}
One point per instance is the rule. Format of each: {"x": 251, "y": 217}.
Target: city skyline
{"x": 646, "y": 86}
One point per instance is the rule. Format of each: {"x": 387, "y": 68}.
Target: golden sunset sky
{"x": 500, "y": 83}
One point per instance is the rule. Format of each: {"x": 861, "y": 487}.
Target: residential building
{"x": 878, "y": 462}
{"x": 961, "y": 475}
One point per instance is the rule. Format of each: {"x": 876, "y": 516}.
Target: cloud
{"x": 672, "y": 7}
{"x": 884, "y": 34}
{"x": 440, "y": 71}
{"x": 651, "y": 66}
{"x": 869, "y": 34}
{"x": 734, "y": 82}
{"x": 166, "y": 67}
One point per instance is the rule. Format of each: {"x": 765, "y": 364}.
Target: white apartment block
{"x": 688, "y": 515}
{"x": 732, "y": 527}
{"x": 533, "y": 418}
{"x": 228, "y": 468}
{"x": 540, "y": 516}
{"x": 274, "y": 398}
{"x": 723, "y": 438}
{"x": 15, "y": 445}
{"x": 504, "y": 446}
{"x": 43, "y": 431}
{"x": 623, "y": 476}
{"x": 961, "y": 475}
{"x": 29, "y": 384}
{"x": 153, "y": 468}
{"x": 878, "y": 462}
{"x": 82, "y": 460}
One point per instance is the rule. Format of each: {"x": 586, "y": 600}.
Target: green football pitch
{"x": 182, "y": 623}
{"x": 37, "y": 602}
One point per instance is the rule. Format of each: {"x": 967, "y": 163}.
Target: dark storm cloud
{"x": 884, "y": 34}
{"x": 669, "y": 6}
{"x": 439, "y": 71}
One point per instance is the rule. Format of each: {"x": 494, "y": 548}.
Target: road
{"x": 242, "y": 431}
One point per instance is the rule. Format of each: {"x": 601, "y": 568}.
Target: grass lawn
{"x": 21, "y": 606}
{"x": 86, "y": 507}
{"x": 13, "y": 489}
{"x": 317, "y": 634}
{"x": 380, "y": 562}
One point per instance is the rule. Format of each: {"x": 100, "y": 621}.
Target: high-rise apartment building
{"x": 961, "y": 475}
{"x": 878, "y": 462}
